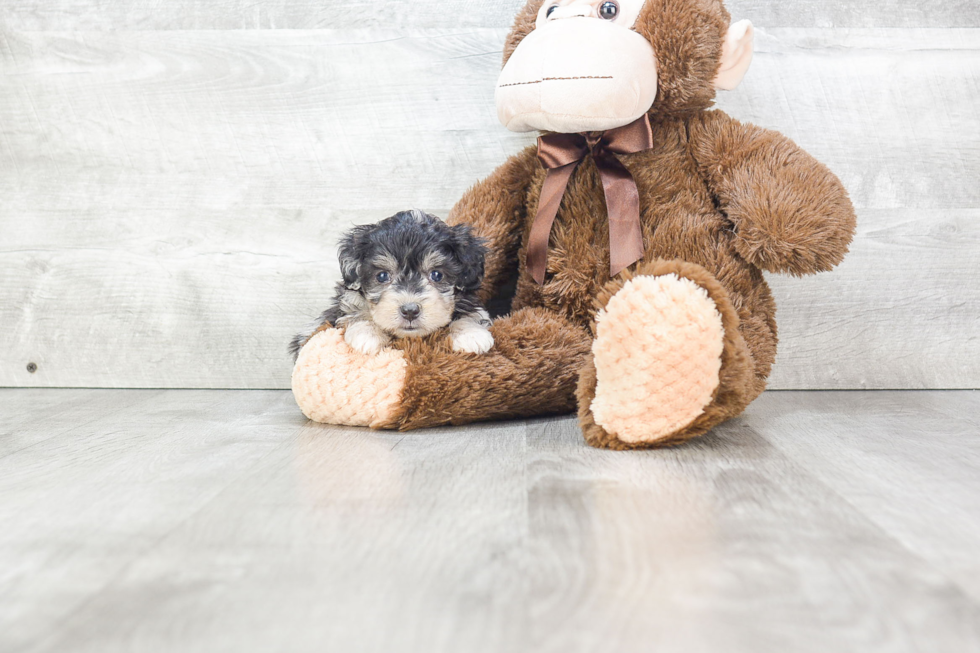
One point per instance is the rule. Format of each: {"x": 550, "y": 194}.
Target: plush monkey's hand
{"x": 790, "y": 213}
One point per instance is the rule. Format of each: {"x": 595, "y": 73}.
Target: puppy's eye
{"x": 608, "y": 10}
{"x": 550, "y": 11}
{"x": 383, "y": 277}
{"x": 436, "y": 276}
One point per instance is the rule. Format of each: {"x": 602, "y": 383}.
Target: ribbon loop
{"x": 561, "y": 154}
{"x": 557, "y": 150}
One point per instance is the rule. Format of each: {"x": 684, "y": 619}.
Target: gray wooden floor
{"x": 181, "y": 520}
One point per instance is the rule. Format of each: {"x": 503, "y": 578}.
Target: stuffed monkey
{"x": 637, "y": 230}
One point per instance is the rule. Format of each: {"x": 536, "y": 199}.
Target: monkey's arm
{"x": 790, "y": 213}
{"x": 495, "y": 208}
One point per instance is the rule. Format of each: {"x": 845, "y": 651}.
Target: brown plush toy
{"x": 637, "y": 231}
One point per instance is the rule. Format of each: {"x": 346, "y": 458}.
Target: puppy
{"x": 406, "y": 277}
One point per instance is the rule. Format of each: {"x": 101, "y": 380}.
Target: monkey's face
{"x": 592, "y": 65}
{"x": 581, "y": 69}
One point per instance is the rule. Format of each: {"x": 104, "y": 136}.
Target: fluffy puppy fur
{"x": 406, "y": 277}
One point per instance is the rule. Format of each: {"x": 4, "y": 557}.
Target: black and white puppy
{"x": 404, "y": 277}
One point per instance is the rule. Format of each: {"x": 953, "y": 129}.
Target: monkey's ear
{"x": 470, "y": 251}
{"x": 736, "y": 55}
{"x": 350, "y": 254}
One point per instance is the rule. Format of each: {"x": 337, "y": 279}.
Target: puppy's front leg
{"x": 364, "y": 337}
{"x": 471, "y": 333}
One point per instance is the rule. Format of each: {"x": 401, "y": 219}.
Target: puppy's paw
{"x": 364, "y": 338}
{"x": 473, "y": 339}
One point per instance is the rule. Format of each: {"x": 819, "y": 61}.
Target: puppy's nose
{"x": 410, "y": 311}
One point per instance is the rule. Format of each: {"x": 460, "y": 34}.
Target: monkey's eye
{"x": 608, "y": 10}
{"x": 550, "y": 11}
{"x": 436, "y": 276}
{"x": 383, "y": 277}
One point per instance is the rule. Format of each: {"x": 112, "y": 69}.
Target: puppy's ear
{"x": 351, "y": 253}
{"x": 469, "y": 251}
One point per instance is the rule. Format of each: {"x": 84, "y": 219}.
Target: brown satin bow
{"x": 561, "y": 154}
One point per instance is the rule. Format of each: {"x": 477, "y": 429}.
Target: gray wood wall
{"x": 173, "y": 176}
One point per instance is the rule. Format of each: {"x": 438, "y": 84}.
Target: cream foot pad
{"x": 657, "y": 357}
{"x": 336, "y": 385}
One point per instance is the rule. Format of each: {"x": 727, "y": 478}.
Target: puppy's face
{"x": 410, "y": 268}
{"x": 410, "y": 296}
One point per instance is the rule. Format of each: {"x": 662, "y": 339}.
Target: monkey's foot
{"x": 334, "y": 384}
{"x": 657, "y": 357}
